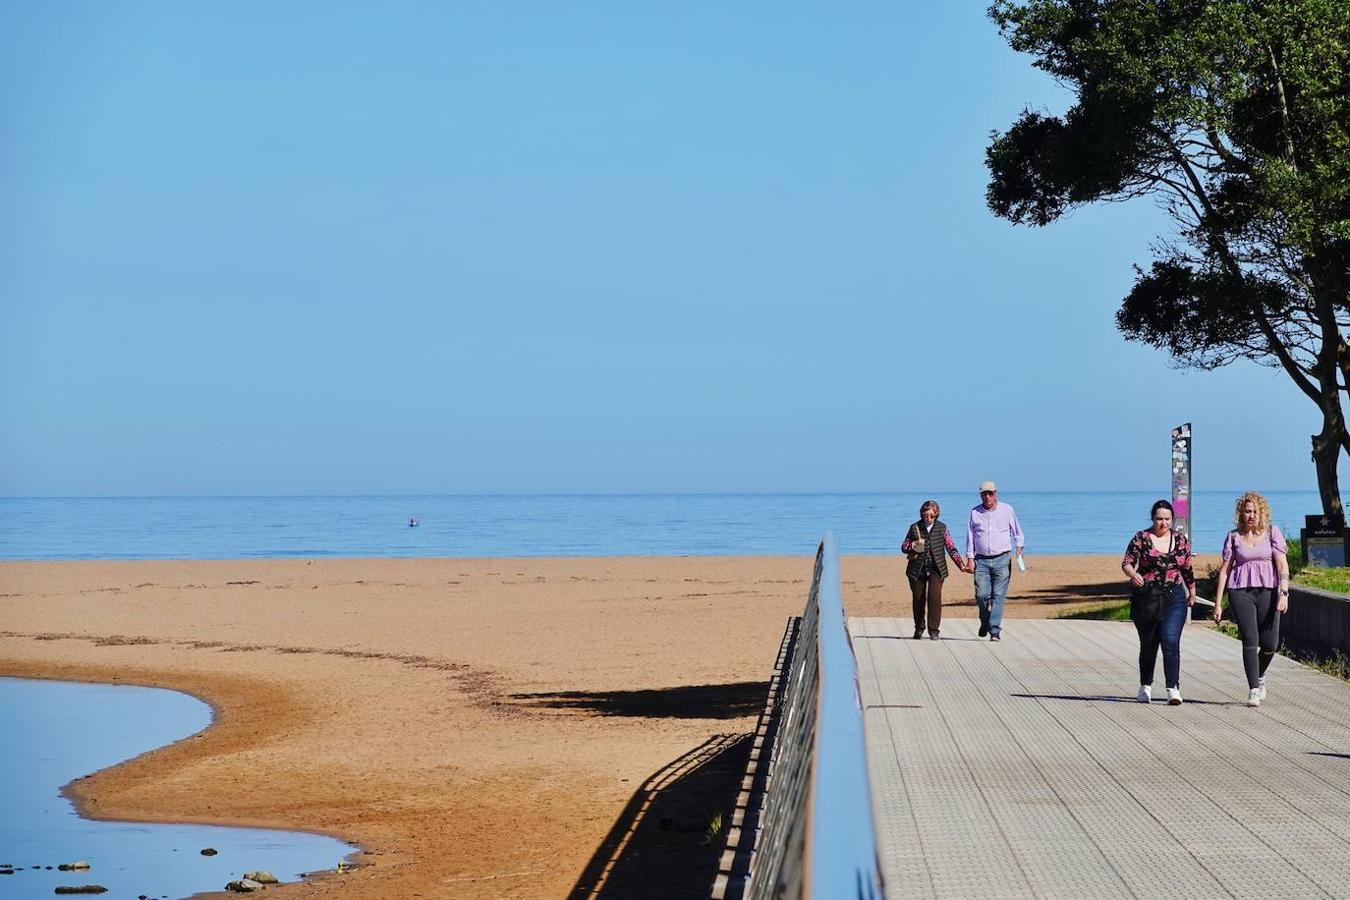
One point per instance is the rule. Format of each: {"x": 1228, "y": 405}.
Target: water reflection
{"x": 52, "y": 732}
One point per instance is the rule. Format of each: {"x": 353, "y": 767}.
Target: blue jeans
{"x": 991, "y": 588}
{"x": 1166, "y": 632}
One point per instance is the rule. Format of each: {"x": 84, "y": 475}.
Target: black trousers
{"x": 1258, "y": 621}
{"x": 927, "y": 593}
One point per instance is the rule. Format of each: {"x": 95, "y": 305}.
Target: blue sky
{"x": 535, "y": 247}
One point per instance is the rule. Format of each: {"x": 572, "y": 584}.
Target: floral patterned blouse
{"x": 1155, "y": 566}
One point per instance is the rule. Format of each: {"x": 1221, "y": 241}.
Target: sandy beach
{"x": 481, "y": 728}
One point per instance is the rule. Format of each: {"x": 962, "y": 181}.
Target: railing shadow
{"x": 659, "y": 846}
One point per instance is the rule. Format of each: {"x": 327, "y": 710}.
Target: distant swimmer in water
{"x": 412, "y": 523}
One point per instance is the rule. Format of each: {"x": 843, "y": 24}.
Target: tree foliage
{"x": 1235, "y": 114}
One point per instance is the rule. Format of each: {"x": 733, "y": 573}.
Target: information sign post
{"x": 1325, "y": 542}
{"x": 1181, "y": 478}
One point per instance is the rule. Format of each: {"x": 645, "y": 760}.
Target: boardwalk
{"x": 1026, "y": 768}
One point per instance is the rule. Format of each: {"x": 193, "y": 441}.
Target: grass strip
{"x": 1334, "y": 663}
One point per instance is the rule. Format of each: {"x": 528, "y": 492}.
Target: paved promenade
{"x": 1025, "y": 768}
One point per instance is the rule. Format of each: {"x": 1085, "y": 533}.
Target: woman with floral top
{"x": 928, "y": 544}
{"x": 1255, "y": 571}
{"x": 1159, "y": 556}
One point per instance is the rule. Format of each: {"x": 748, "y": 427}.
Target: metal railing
{"x": 816, "y": 837}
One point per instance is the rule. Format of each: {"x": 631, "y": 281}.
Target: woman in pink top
{"x": 1255, "y": 571}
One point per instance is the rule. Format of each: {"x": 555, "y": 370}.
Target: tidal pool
{"x": 52, "y": 732}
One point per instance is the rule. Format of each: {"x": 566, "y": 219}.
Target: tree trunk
{"x": 1326, "y": 452}
{"x": 1327, "y": 447}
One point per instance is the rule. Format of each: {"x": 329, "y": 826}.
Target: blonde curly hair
{"x": 1262, "y": 511}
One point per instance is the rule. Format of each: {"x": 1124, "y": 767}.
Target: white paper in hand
{"x": 1021, "y": 564}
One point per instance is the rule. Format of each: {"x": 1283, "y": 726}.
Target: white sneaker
{"x": 1261, "y": 687}
{"x": 1174, "y": 696}
{"x": 1145, "y": 693}
{"x": 1254, "y": 697}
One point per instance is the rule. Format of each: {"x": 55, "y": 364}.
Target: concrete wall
{"x": 1317, "y": 621}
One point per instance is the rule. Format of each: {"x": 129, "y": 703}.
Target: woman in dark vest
{"x": 928, "y": 544}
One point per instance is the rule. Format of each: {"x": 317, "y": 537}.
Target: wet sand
{"x": 483, "y": 728}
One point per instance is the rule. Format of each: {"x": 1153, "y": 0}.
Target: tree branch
{"x": 1276, "y": 346}
{"x": 1284, "y": 111}
{"x": 1235, "y": 162}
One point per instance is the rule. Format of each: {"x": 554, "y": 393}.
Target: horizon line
{"x": 586, "y": 494}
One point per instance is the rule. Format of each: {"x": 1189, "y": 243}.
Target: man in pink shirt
{"x": 992, "y": 532}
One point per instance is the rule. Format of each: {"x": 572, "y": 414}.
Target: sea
{"x": 1053, "y": 522}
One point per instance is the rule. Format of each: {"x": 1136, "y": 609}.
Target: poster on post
{"x": 1181, "y": 478}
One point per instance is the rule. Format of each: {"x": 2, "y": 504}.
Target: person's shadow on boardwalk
{"x": 906, "y": 637}
{"x": 1107, "y": 698}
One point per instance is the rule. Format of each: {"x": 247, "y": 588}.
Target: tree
{"x": 1235, "y": 114}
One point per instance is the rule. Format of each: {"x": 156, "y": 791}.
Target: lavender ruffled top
{"x": 1253, "y": 567}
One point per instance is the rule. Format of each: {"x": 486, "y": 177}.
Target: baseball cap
{"x": 987, "y": 486}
